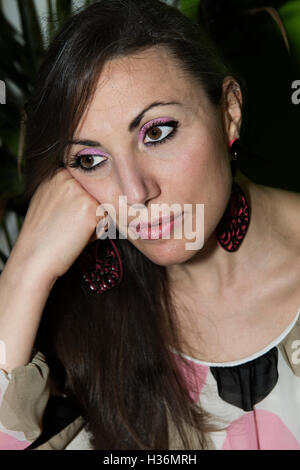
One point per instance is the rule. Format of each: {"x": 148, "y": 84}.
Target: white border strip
{"x": 249, "y": 358}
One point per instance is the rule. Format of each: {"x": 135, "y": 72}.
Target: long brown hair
{"x": 110, "y": 353}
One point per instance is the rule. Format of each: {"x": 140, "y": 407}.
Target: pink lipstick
{"x": 162, "y": 228}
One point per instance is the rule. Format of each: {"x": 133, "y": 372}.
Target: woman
{"x": 141, "y": 342}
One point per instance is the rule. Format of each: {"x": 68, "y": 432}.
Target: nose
{"x": 137, "y": 182}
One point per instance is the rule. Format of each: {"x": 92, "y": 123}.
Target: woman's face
{"x": 151, "y": 136}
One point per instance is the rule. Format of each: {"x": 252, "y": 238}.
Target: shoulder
{"x": 290, "y": 347}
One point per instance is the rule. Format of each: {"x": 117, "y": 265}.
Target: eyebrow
{"x": 133, "y": 124}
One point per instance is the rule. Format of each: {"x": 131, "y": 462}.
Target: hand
{"x": 59, "y": 223}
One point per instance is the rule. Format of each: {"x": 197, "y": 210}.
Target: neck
{"x": 213, "y": 270}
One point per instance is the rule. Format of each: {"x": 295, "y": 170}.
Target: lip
{"x": 159, "y": 230}
{"x": 162, "y": 220}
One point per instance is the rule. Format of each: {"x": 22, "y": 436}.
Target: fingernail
{"x": 101, "y": 230}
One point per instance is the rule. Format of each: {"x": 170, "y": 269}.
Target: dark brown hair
{"x": 110, "y": 353}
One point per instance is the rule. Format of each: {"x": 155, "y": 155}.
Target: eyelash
{"x": 75, "y": 161}
{"x": 173, "y": 124}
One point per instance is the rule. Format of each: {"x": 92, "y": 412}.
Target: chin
{"x": 165, "y": 252}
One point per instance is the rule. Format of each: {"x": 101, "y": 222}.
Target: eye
{"x": 86, "y": 162}
{"x": 159, "y": 132}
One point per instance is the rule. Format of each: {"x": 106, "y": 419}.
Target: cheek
{"x": 202, "y": 176}
{"x": 103, "y": 192}
{"x": 198, "y": 170}
{"x": 95, "y": 186}
{"x": 95, "y": 180}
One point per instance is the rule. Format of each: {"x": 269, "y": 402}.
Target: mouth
{"x": 159, "y": 228}
{"x": 155, "y": 223}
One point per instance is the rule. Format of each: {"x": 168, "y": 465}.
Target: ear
{"x": 231, "y": 107}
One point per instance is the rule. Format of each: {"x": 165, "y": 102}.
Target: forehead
{"x": 139, "y": 78}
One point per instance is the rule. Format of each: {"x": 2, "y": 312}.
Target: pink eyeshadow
{"x": 92, "y": 151}
{"x": 157, "y": 121}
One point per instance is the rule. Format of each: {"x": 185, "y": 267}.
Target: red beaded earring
{"x": 233, "y": 226}
{"x": 101, "y": 266}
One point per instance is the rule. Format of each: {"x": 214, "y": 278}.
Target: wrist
{"x": 24, "y": 269}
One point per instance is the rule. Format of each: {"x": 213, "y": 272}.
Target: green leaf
{"x": 189, "y": 8}
{"x": 50, "y": 23}
{"x": 31, "y": 31}
{"x": 6, "y": 234}
{"x": 290, "y": 15}
{"x": 20, "y": 221}
{"x": 3, "y": 257}
{"x": 89, "y": 2}
{"x": 13, "y": 57}
{"x": 6, "y": 26}
{"x": 11, "y": 183}
{"x": 63, "y": 9}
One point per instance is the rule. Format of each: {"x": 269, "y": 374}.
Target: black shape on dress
{"x": 246, "y": 384}
{"x": 59, "y": 413}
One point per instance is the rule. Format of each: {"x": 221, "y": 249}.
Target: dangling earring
{"x": 234, "y": 147}
{"x": 233, "y": 226}
{"x": 101, "y": 266}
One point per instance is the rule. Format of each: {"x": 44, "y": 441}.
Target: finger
{"x": 99, "y": 218}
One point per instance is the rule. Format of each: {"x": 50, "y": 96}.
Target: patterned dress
{"x": 258, "y": 398}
